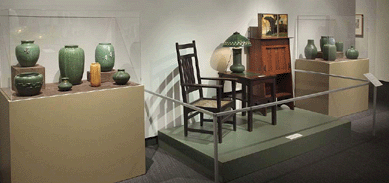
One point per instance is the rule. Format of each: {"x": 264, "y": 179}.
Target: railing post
{"x": 374, "y": 108}
{"x": 215, "y": 149}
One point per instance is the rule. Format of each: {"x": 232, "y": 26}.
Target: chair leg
{"x": 186, "y": 115}
{"x": 201, "y": 119}
{"x": 219, "y": 129}
{"x": 234, "y": 120}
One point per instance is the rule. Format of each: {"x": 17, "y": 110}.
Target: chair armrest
{"x": 220, "y": 79}
{"x": 202, "y": 85}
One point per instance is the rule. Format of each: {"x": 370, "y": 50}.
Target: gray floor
{"x": 360, "y": 158}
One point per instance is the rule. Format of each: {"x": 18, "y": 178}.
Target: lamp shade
{"x": 237, "y": 40}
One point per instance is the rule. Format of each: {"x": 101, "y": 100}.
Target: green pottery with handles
{"x": 71, "y": 63}
{"x": 105, "y": 56}
{"x": 27, "y": 53}
{"x": 121, "y": 77}
{"x": 28, "y": 83}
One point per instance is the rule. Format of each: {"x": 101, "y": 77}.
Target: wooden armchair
{"x": 191, "y": 82}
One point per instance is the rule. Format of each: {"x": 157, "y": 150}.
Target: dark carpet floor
{"x": 359, "y": 158}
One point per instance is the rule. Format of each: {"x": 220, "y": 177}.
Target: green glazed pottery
{"x": 352, "y": 53}
{"x": 27, "y": 53}
{"x": 339, "y": 46}
{"x": 65, "y": 85}
{"x": 329, "y": 52}
{"x": 237, "y": 66}
{"x": 28, "y": 83}
{"x": 310, "y": 50}
{"x": 71, "y": 63}
{"x": 105, "y": 56}
{"x": 121, "y": 77}
{"x": 326, "y": 40}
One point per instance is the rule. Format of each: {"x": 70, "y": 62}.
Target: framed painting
{"x": 359, "y": 25}
{"x": 273, "y": 25}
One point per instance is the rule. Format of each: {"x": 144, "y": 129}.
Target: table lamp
{"x": 237, "y": 41}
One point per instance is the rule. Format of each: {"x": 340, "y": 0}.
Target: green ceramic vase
{"x": 339, "y": 46}
{"x": 326, "y": 40}
{"x": 71, "y": 63}
{"x": 27, "y": 53}
{"x": 65, "y": 85}
{"x": 121, "y": 77}
{"x": 352, "y": 53}
{"x": 329, "y": 52}
{"x": 105, "y": 56}
{"x": 310, "y": 50}
{"x": 28, "y": 83}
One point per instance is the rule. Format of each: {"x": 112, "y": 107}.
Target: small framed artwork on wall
{"x": 359, "y": 25}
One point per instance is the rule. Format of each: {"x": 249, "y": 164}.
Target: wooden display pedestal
{"x": 92, "y": 136}
{"x": 339, "y": 54}
{"x": 335, "y": 104}
{"x": 105, "y": 76}
{"x": 17, "y": 69}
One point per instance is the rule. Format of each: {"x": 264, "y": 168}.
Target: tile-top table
{"x": 248, "y": 81}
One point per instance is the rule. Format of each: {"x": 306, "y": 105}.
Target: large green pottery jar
{"x": 65, "y": 85}
{"x": 71, "y": 63}
{"x": 310, "y": 50}
{"x": 105, "y": 56}
{"x": 28, "y": 83}
{"x": 27, "y": 53}
{"x": 326, "y": 40}
{"x": 329, "y": 52}
{"x": 352, "y": 53}
{"x": 121, "y": 77}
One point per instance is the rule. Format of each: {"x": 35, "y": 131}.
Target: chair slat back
{"x": 188, "y": 67}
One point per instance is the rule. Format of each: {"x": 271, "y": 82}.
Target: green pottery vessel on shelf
{"x": 326, "y": 40}
{"x": 105, "y": 56}
{"x": 71, "y": 63}
{"x": 121, "y": 77}
{"x": 28, "y": 83}
{"x": 339, "y": 46}
{"x": 27, "y": 53}
{"x": 310, "y": 50}
{"x": 65, "y": 85}
{"x": 352, "y": 53}
{"x": 329, "y": 52}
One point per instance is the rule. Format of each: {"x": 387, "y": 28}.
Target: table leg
{"x": 244, "y": 97}
{"x": 274, "y": 107}
{"x": 250, "y": 103}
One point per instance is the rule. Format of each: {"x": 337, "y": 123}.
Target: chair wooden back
{"x": 187, "y": 63}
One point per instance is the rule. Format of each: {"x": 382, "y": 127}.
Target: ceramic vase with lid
{"x": 71, "y": 63}
{"x": 352, "y": 53}
{"x": 121, "y": 77}
{"x": 310, "y": 50}
{"x": 105, "y": 56}
{"x": 28, "y": 83}
{"x": 65, "y": 85}
{"x": 27, "y": 53}
{"x": 329, "y": 52}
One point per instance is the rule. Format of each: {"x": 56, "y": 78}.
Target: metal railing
{"x": 256, "y": 107}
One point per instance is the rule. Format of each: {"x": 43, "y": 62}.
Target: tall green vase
{"x": 310, "y": 50}
{"x": 105, "y": 56}
{"x": 27, "y": 53}
{"x": 71, "y": 63}
{"x": 329, "y": 52}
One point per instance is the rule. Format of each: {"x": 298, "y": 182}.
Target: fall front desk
{"x": 84, "y": 135}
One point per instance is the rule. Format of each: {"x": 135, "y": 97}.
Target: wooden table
{"x": 246, "y": 95}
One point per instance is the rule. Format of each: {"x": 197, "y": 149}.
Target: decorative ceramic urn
{"x": 71, "y": 63}
{"x": 352, "y": 53}
{"x": 310, "y": 50}
{"x": 27, "y": 53}
{"x": 65, "y": 85}
{"x": 121, "y": 77}
{"x": 105, "y": 56}
{"x": 28, "y": 83}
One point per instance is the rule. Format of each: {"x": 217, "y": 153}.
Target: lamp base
{"x": 237, "y": 66}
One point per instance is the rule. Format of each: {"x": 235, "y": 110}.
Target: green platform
{"x": 243, "y": 152}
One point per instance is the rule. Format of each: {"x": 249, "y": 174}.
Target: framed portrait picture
{"x": 359, "y": 25}
{"x": 273, "y": 25}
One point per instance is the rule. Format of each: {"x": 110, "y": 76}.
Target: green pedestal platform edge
{"x": 261, "y": 154}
